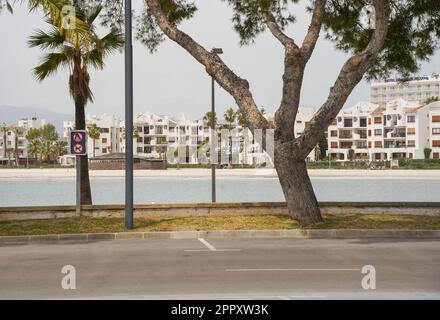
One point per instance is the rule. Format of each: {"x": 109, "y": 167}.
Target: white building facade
{"x": 414, "y": 89}
{"x": 369, "y": 132}
{"x": 110, "y": 133}
{"x": 14, "y": 139}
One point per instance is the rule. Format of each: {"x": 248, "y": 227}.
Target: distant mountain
{"x": 10, "y": 114}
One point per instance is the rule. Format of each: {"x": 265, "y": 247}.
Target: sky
{"x": 170, "y": 80}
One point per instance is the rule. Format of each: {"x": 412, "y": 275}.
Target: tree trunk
{"x": 94, "y": 154}
{"x": 297, "y": 187}
{"x": 80, "y": 124}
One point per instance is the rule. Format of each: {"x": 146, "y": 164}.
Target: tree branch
{"x": 276, "y": 31}
{"x": 215, "y": 67}
{"x": 314, "y": 30}
{"x": 351, "y": 74}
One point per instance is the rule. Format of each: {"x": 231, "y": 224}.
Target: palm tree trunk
{"x": 83, "y": 161}
{"x": 94, "y": 154}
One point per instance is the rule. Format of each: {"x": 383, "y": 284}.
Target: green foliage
{"x": 413, "y": 35}
{"x": 427, "y": 152}
{"x": 44, "y": 143}
{"x": 208, "y": 118}
{"x": 431, "y": 100}
{"x": 148, "y": 31}
{"x": 230, "y": 117}
{"x": 75, "y": 50}
{"x": 248, "y": 16}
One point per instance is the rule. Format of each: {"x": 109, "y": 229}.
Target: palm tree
{"x": 17, "y": 132}
{"x": 59, "y": 149}
{"x": 94, "y": 133}
{"x": 34, "y": 148}
{"x": 4, "y": 129}
{"x": 241, "y": 119}
{"x": 230, "y": 117}
{"x": 208, "y": 118}
{"x": 76, "y": 50}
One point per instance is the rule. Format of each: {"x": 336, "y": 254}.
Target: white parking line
{"x": 257, "y": 270}
{"x": 217, "y": 250}
{"x": 207, "y": 244}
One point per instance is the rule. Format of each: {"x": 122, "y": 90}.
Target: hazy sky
{"x": 171, "y": 81}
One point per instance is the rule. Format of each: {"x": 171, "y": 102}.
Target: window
{"x": 104, "y": 150}
{"x": 363, "y": 123}
{"x": 435, "y": 130}
{"x": 147, "y": 149}
{"x": 147, "y": 130}
{"x": 299, "y": 122}
{"x": 334, "y": 133}
{"x": 369, "y": 133}
{"x": 104, "y": 130}
{"x": 161, "y": 140}
{"x": 436, "y": 155}
{"x": 378, "y": 144}
{"x": 104, "y": 140}
{"x": 436, "y": 143}
{"x": 334, "y": 145}
{"x": 348, "y": 122}
{"x": 139, "y": 150}
{"x": 411, "y": 143}
{"x": 377, "y": 132}
{"x": 369, "y": 144}
{"x": 147, "y": 140}
{"x": 139, "y": 139}
{"x": 411, "y": 119}
{"x": 377, "y": 120}
{"x": 435, "y": 118}
{"x": 411, "y": 131}
{"x": 369, "y": 120}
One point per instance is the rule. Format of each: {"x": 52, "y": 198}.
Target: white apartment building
{"x": 109, "y": 139}
{"x": 413, "y": 89}
{"x": 349, "y": 131}
{"x": 13, "y": 142}
{"x": 434, "y": 134}
{"x": 367, "y": 131}
{"x": 155, "y": 134}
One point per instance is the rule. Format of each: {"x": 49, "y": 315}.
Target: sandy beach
{"x": 221, "y": 174}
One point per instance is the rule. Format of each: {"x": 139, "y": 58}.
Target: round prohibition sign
{"x": 77, "y": 148}
{"x": 78, "y": 137}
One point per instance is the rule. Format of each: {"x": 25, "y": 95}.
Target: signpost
{"x": 78, "y": 147}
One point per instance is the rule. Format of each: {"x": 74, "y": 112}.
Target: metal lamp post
{"x": 128, "y": 117}
{"x": 213, "y": 186}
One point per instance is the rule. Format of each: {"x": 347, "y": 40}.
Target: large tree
{"x": 76, "y": 49}
{"x": 404, "y": 32}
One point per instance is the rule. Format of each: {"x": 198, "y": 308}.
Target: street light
{"x": 213, "y": 192}
{"x": 128, "y": 117}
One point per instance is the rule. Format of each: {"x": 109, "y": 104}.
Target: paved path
{"x": 218, "y": 268}
{"x": 222, "y": 174}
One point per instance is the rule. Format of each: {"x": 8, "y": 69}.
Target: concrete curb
{"x": 227, "y": 234}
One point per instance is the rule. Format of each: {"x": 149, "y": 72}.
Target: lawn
{"x": 214, "y": 222}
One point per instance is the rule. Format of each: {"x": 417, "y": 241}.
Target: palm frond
{"x": 51, "y": 62}
{"x": 111, "y": 42}
{"x": 93, "y": 14}
{"x": 47, "y": 40}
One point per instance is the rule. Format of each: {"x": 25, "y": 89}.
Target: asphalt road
{"x": 222, "y": 269}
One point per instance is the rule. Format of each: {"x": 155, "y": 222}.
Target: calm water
{"x": 184, "y": 190}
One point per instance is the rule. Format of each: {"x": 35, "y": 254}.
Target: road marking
{"x": 257, "y": 270}
{"x": 207, "y": 244}
{"x": 217, "y": 250}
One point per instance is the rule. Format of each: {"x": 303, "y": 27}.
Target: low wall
{"x": 203, "y": 209}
